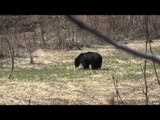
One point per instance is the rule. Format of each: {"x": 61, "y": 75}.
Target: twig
{"x": 155, "y": 70}
{"x": 145, "y": 91}
{"x": 115, "y": 82}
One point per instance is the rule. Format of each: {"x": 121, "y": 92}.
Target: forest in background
{"x": 25, "y": 33}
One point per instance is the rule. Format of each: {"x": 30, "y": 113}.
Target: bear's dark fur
{"x": 89, "y": 58}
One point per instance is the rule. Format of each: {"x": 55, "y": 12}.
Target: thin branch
{"x": 148, "y": 40}
{"x": 108, "y": 39}
{"x": 155, "y": 70}
{"x": 145, "y": 91}
{"x": 115, "y": 82}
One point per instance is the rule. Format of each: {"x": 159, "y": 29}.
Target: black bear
{"x": 89, "y": 58}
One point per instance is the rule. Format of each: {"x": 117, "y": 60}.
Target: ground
{"x": 53, "y": 79}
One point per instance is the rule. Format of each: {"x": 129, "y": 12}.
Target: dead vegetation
{"x": 94, "y": 88}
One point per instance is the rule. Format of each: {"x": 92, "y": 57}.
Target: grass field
{"x": 54, "y": 80}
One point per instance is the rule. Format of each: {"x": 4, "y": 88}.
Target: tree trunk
{"x": 29, "y": 47}
{"x": 11, "y": 51}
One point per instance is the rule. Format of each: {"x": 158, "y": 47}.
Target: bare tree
{"x": 9, "y": 41}
{"x": 29, "y": 48}
{"x": 149, "y": 41}
{"x": 42, "y": 20}
{"x": 145, "y": 61}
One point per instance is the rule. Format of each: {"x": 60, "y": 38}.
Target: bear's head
{"x": 77, "y": 62}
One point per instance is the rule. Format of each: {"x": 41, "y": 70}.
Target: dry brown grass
{"x": 82, "y": 92}
{"x": 92, "y": 90}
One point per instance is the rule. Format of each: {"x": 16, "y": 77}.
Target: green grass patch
{"x": 62, "y": 71}
{"x": 119, "y": 64}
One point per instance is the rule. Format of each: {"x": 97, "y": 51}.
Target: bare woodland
{"x": 22, "y": 35}
{"x": 58, "y": 32}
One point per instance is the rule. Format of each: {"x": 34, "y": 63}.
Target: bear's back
{"x": 95, "y": 54}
